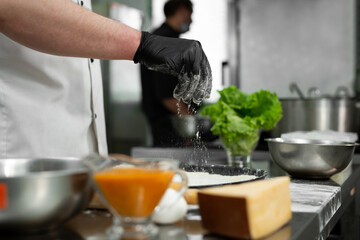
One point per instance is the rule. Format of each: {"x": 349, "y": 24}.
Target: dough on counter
{"x": 198, "y": 179}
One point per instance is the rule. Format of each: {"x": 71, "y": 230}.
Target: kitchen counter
{"x": 317, "y": 205}
{"x": 321, "y": 208}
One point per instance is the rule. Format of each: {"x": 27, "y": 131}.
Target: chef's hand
{"x": 182, "y": 58}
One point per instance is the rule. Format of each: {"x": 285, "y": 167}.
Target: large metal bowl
{"x": 41, "y": 194}
{"x": 311, "y": 158}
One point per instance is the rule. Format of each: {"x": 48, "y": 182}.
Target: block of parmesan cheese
{"x": 248, "y": 210}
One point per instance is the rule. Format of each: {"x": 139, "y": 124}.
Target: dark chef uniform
{"x": 156, "y": 87}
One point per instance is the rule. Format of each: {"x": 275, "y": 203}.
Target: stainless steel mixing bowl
{"x": 311, "y": 158}
{"x": 41, "y": 194}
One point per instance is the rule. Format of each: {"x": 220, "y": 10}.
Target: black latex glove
{"x": 181, "y": 58}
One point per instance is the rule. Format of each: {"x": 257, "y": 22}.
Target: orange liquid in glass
{"x": 134, "y": 192}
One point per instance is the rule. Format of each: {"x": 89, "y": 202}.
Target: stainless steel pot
{"x": 41, "y": 194}
{"x": 325, "y": 113}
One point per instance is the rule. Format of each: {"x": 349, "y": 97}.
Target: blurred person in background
{"x": 51, "y": 99}
{"x": 158, "y": 102}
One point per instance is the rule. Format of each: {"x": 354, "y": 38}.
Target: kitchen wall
{"x": 309, "y": 42}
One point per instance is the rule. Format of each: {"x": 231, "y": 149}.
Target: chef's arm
{"x": 176, "y": 107}
{"x": 61, "y": 27}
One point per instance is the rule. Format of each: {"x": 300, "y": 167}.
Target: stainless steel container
{"x": 326, "y": 113}
{"x": 41, "y": 194}
{"x": 306, "y": 158}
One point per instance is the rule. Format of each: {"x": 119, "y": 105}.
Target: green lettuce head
{"x": 237, "y": 117}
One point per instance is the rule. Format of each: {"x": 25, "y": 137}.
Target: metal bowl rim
{"x": 48, "y": 173}
{"x": 300, "y": 141}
